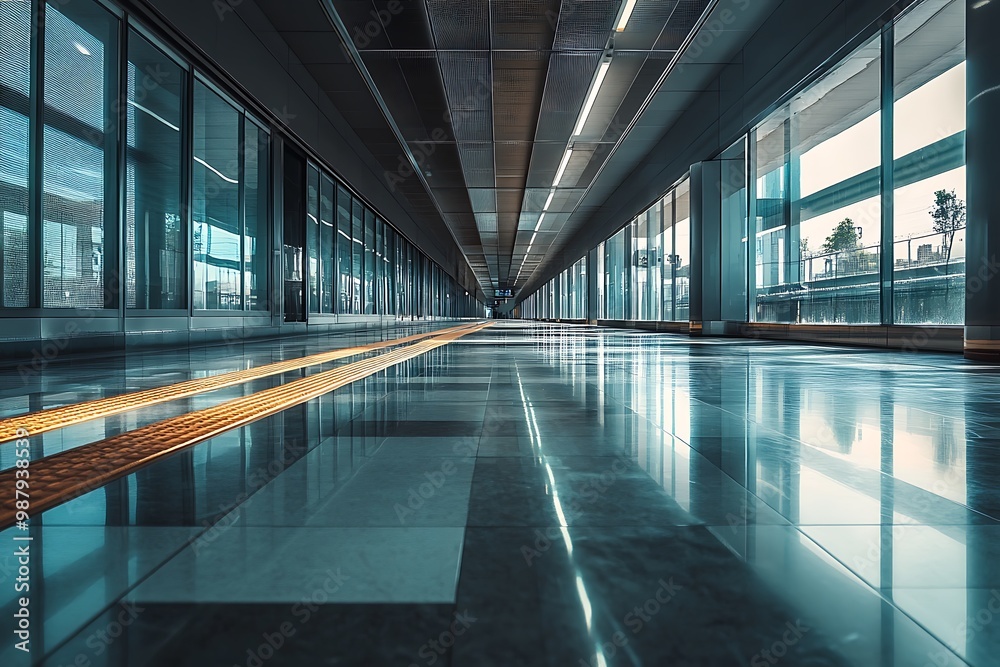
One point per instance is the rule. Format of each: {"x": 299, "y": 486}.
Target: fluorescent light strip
{"x": 602, "y": 71}
{"x": 533, "y": 236}
{"x": 215, "y": 171}
{"x": 540, "y": 218}
{"x": 548, "y": 202}
{"x": 562, "y": 167}
{"x": 626, "y": 15}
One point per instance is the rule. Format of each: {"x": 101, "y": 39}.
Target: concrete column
{"x": 982, "y": 306}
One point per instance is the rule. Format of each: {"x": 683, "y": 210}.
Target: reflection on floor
{"x": 542, "y": 495}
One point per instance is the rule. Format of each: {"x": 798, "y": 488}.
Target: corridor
{"x": 533, "y": 495}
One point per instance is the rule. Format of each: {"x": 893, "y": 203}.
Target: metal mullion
{"x": 887, "y": 182}
{"x": 36, "y": 132}
{"x": 241, "y": 211}
{"x": 187, "y": 191}
{"x": 121, "y": 179}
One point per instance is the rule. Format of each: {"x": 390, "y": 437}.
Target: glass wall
{"x": 256, "y": 202}
{"x": 78, "y": 156}
{"x": 216, "y": 207}
{"x": 121, "y": 134}
{"x": 615, "y": 276}
{"x": 312, "y": 237}
{"x": 810, "y": 188}
{"x": 929, "y": 165}
{"x": 733, "y": 191}
{"x": 155, "y": 261}
{"x": 15, "y": 85}
{"x": 328, "y": 251}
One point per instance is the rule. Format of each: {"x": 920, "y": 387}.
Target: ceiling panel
{"x": 486, "y": 94}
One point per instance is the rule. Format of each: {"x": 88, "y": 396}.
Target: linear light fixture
{"x": 540, "y": 218}
{"x": 595, "y": 88}
{"x": 626, "y": 15}
{"x": 562, "y": 166}
{"x": 548, "y": 202}
{"x": 533, "y": 237}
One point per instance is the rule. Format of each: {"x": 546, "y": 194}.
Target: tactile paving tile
{"x": 64, "y": 476}
{"x": 52, "y": 419}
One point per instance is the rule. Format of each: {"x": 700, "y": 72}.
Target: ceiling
{"x": 486, "y": 97}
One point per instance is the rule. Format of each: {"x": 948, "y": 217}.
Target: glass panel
{"x": 369, "y": 260}
{"x": 312, "y": 236}
{"x": 834, "y": 240}
{"x": 734, "y": 233}
{"x": 929, "y": 146}
{"x": 615, "y": 263}
{"x": 79, "y": 155}
{"x": 818, "y": 202}
{"x": 639, "y": 257}
{"x": 344, "y": 249}
{"x": 669, "y": 259}
{"x": 357, "y": 257}
{"x": 256, "y": 165}
{"x": 654, "y": 262}
{"x": 379, "y": 266}
{"x": 602, "y": 308}
{"x": 328, "y": 253}
{"x": 215, "y": 209}
{"x": 15, "y": 66}
{"x": 155, "y": 265}
{"x": 771, "y": 219}
{"x": 682, "y": 252}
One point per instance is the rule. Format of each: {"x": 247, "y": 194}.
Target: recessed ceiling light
{"x": 562, "y": 167}
{"x": 595, "y": 88}
{"x": 626, "y": 15}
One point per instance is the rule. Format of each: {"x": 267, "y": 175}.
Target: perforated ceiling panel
{"x": 486, "y": 95}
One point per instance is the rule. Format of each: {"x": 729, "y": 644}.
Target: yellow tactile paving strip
{"x": 36, "y": 423}
{"x": 64, "y": 476}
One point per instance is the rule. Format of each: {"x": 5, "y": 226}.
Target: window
{"x": 344, "y": 244}
{"x": 369, "y": 260}
{"x": 614, "y": 261}
{"x": 155, "y": 260}
{"x": 357, "y": 256}
{"x": 682, "y": 252}
{"x": 669, "y": 259}
{"x": 734, "y": 233}
{"x": 78, "y": 179}
{"x": 929, "y": 165}
{"x": 328, "y": 235}
{"x": 312, "y": 236}
{"x": 256, "y": 156}
{"x": 15, "y": 67}
{"x": 818, "y": 199}
{"x": 215, "y": 208}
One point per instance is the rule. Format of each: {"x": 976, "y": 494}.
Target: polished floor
{"x": 534, "y": 495}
